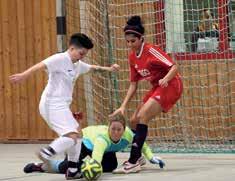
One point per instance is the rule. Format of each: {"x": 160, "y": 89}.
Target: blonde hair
{"x": 206, "y": 14}
{"x": 118, "y": 118}
{"x": 206, "y": 21}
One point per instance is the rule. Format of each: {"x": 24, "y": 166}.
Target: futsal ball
{"x": 91, "y": 169}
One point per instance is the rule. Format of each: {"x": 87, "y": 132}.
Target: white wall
{"x": 174, "y": 18}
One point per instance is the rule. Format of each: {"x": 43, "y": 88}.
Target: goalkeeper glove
{"x": 157, "y": 160}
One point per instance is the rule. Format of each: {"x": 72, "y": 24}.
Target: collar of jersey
{"x": 141, "y": 50}
{"x": 112, "y": 140}
{"x": 67, "y": 54}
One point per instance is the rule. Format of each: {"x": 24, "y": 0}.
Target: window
{"x": 199, "y": 29}
{"x": 200, "y": 22}
{"x": 231, "y": 13}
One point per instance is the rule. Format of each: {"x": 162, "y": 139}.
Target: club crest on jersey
{"x": 144, "y": 72}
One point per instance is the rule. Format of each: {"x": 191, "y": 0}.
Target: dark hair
{"x": 81, "y": 40}
{"x": 134, "y": 26}
{"x": 118, "y": 118}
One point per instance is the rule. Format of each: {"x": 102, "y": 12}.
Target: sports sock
{"x": 57, "y": 146}
{"x": 73, "y": 155}
{"x": 137, "y": 143}
{"x": 47, "y": 152}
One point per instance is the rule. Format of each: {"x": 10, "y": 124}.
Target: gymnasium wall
{"x": 27, "y": 36}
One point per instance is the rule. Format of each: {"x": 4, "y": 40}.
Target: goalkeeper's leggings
{"x": 109, "y": 161}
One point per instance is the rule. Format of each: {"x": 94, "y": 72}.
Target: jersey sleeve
{"x": 53, "y": 63}
{"x": 160, "y": 58}
{"x": 82, "y": 67}
{"x": 100, "y": 146}
{"x": 147, "y": 151}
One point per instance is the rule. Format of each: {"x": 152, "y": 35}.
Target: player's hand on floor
{"x": 158, "y": 161}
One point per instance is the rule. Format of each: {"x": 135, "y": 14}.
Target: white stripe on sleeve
{"x": 160, "y": 56}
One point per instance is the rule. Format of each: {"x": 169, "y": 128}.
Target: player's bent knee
{"x": 73, "y": 135}
{"x": 134, "y": 120}
{"x": 133, "y": 123}
{"x": 143, "y": 119}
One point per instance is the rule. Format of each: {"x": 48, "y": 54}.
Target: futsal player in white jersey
{"x": 63, "y": 69}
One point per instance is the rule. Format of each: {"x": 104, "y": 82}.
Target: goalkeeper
{"x": 101, "y": 143}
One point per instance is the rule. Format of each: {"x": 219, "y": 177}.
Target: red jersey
{"x": 151, "y": 64}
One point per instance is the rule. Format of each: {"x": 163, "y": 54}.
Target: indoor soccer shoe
{"x": 33, "y": 167}
{"x": 45, "y": 160}
{"x": 73, "y": 175}
{"x": 128, "y": 167}
{"x": 142, "y": 161}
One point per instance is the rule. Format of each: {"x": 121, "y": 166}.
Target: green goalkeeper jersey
{"x": 96, "y": 139}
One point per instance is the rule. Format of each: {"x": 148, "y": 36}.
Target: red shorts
{"x": 166, "y": 96}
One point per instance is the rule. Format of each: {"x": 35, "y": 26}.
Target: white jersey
{"x": 62, "y": 73}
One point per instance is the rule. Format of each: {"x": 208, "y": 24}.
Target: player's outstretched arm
{"x": 19, "y": 77}
{"x": 112, "y": 68}
{"x": 99, "y": 148}
{"x": 146, "y": 150}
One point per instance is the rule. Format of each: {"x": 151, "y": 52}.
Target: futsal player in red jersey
{"x": 147, "y": 62}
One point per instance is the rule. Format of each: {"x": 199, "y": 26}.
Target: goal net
{"x": 199, "y": 35}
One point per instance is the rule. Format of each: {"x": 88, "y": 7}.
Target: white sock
{"x": 74, "y": 153}
{"x": 47, "y": 153}
{"x": 61, "y": 144}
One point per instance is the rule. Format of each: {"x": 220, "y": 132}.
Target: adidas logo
{"x": 158, "y": 97}
{"x": 135, "y": 145}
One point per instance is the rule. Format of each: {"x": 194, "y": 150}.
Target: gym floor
{"x": 179, "y": 167}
